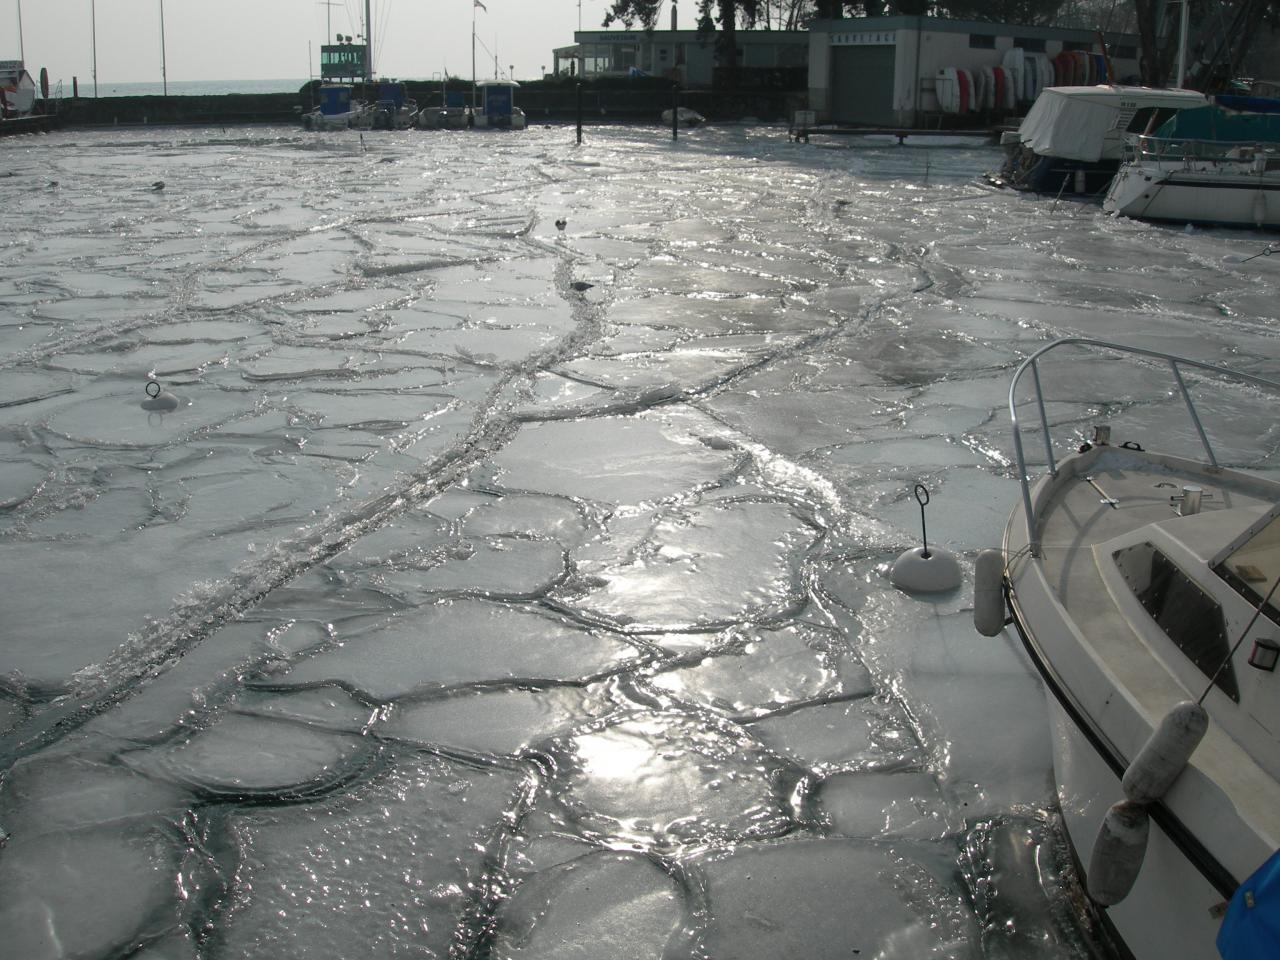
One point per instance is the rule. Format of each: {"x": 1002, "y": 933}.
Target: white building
{"x": 881, "y": 71}
{"x": 680, "y": 54}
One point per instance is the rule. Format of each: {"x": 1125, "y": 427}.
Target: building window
{"x": 982, "y": 41}
{"x": 1084, "y": 45}
{"x": 1029, "y": 45}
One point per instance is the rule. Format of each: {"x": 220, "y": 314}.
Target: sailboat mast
{"x": 368, "y": 41}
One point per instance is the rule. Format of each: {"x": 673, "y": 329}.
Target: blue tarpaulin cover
{"x": 1251, "y": 928}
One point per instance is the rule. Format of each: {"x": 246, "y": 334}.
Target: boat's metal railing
{"x": 1175, "y": 366}
{"x": 1183, "y": 149}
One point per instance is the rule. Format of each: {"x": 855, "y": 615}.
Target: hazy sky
{"x": 267, "y": 39}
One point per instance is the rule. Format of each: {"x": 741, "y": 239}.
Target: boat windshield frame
{"x": 1031, "y": 364}
{"x": 1253, "y": 558}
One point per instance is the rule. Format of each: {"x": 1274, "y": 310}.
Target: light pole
{"x": 93, "y": 24}
{"x": 164, "y": 71}
{"x": 22, "y": 49}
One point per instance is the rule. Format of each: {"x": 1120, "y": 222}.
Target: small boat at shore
{"x": 1144, "y": 588}
{"x": 684, "y": 117}
{"x": 337, "y": 110}
{"x": 498, "y": 110}
{"x": 1218, "y": 164}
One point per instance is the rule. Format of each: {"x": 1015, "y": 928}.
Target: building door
{"x": 862, "y": 85}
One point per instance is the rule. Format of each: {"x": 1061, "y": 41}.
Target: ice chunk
{"x": 833, "y": 899}
{"x": 613, "y": 905}
{"x": 725, "y": 560}
{"x": 249, "y": 756}
{"x": 626, "y": 460}
{"x": 87, "y": 893}
{"x": 491, "y": 722}
{"x": 54, "y": 794}
{"x": 869, "y": 733}
{"x": 666, "y": 780}
{"x": 453, "y": 643}
{"x": 886, "y": 805}
{"x": 763, "y": 671}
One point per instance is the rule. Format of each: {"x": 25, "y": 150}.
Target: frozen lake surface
{"x": 479, "y": 589}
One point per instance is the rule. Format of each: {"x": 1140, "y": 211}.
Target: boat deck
{"x": 1119, "y": 495}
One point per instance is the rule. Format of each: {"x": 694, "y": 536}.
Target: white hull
{"x": 1107, "y": 537}
{"x": 514, "y": 121}
{"x": 1171, "y": 905}
{"x": 1232, "y": 194}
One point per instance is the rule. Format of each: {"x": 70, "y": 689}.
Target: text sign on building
{"x": 342, "y": 61}
{"x": 865, "y": 39}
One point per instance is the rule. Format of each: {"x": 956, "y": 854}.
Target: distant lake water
{"x": 189, "y": 88}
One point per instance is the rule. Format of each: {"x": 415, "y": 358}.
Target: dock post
{"x": 675, "y": 111}
{"x": 579, "y": 112}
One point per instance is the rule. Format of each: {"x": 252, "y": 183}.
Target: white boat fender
{"x": 1165, "y": 754}
{"x": 920, "y": 569}
{"x": 1118, "y": 852}
{"x": 159, "y": 400}
{"x": 988, "y": 593}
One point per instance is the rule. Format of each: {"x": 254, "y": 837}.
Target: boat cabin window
{"x": 1251, "y": 565}
{"x": 1149, "y": 119}
{"x": 1191, "y": 618}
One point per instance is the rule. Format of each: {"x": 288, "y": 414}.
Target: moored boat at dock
{"x": 1073, "y": 138}
{"x": 1218, "y": 164}
{"x": 1144, "y": 588}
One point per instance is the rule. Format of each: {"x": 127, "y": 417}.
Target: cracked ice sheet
{"x": 763, "y": 670}
{"x": 694, "y": 567}
{"x": 794, "y": 899}
{"x": 625, "y": 460}
{"x": 669, "y": 781}
{"x": 383, "y": 870}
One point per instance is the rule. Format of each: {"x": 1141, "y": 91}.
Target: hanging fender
{"x": 988, "y": 593}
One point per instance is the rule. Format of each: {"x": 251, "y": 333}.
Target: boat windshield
{"x": 1251, "y": 564}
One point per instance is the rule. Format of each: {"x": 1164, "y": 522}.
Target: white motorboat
{"x": 1143, "y": 586}
{"x": 1218, "y": 164}
{"x": 1073, "y": 138}
{"x": 497, "y": 108}
{"x": 1198, "y": 181}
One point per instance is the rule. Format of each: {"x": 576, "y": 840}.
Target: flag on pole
{"x": 480, "y": 5}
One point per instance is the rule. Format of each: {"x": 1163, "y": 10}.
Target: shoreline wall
{"x": 541, "y": 102}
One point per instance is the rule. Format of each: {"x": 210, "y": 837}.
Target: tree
{"x": 631, "y": 12}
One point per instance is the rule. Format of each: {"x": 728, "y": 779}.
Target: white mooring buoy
{"x": 159, "y": 400}
{"x": 921, "y": 570}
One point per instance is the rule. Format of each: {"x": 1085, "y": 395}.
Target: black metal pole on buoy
{"x": 922, "y": 498}
{"x": 675, "y": 110}
{"x": 579, "y": 112}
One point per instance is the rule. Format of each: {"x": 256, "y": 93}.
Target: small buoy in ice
{"x": 922, "y": 570}
{"x": 561, "y": 224}
{"x": 158, "y": 185}
{"x": 581, "y": 285}
{"x": 159, "y": 400}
